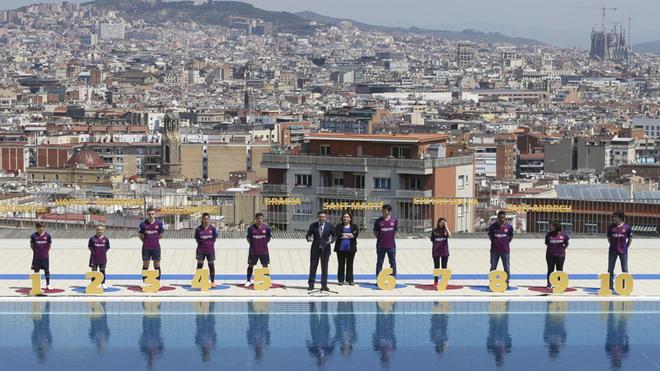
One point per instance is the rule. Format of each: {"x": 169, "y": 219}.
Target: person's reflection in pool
{"x": 439, "y": 324}
{"x": 41, "y": 338}
{"x": 99, "y": 332}
{"x": 205, "y": 336}
{"x": 320, "y": 346}
{"x": 151, "y": 341}
{"x": 617, "y": 345}
{"x": 554, "y": 330}
{"x": 345, "y": 328}
{"x": 258, "y": 334}
{"x": 384, "y": 338}
{"x": 499, "y": 340}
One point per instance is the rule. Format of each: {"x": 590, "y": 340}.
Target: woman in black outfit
{"x": 556, "y": 242}
{"x": 346, "y": 247}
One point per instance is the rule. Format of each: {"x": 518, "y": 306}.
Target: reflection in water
{"x": 41, "y": 338}
{"x": 554, "y": 330}
{"x": 499, "y": 340}
{"x": 384, "y": 338}
{"x": 258, "y": 334}
{"x": 151, "y": 341}
{"x": 205, "y": 336}
{"x": 617, "y": 345}
{"x": 99, "y": 332}
{"x": 439, "y": 324}
{"x": 319, "y": 346}
{"x": 345, "y": 328}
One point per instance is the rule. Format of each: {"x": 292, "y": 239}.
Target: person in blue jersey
{"x": 500, "y": 234}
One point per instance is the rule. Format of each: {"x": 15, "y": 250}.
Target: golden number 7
{"x": 444, "y": 276}
{"x": 151, "y": 283}
{"x": 94, "y": 287}
{"x": 201, "y": 280}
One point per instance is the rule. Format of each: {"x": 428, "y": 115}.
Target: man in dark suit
{"x": 322, "y": 234}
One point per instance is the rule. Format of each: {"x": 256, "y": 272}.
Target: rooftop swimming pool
{"x": 344, "y": 335}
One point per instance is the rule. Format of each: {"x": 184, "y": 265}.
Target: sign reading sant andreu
{"x": 523, "y": 208}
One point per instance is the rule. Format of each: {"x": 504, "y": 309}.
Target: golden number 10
{"x": 559, "y": 281}
{"x": 36, "y": 284}
{"x": 623, "y": 284}
{"x": 444, "y": 276}
{"x": 94, "y": 287}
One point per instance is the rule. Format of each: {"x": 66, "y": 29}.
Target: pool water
{"x": 330, "y": 335}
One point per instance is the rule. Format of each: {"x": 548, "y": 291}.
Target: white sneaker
{"x": 247, "y": 284}
{"x": 49, "y": 287}
{"x": 104, "y": 286}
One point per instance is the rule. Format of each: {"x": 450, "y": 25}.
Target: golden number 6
{"x": 94, "y": 287}
{"x": 559, "y": 281}
{"x": 385, "y": 279}
{"x": 36, "y": 284}
{"x": 151, "y": 283}
{"x": 444, "y": 276}
{"x": 262, "y": 279}
{"x": 497, "y": 281}
{"x": 201, "y": 280}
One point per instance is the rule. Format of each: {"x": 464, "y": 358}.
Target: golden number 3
{"x": 559, "y": 281}
{"x": 444, "y": 276}
{"x": 262, "y": 279}
{"x": 94, "y": 287}
{"x": 497, "y": 281}
{"x": 201, "y": 280}
{"x": 36, "y": 284}
{"x": 151, "y": 283}
{"x": 385, "y": 279}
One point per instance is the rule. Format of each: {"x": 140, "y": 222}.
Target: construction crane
{"x": 603, "y": 8}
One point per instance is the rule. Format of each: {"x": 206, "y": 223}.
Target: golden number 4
{"x": 559, "y": 281}
{"x": 386, "y": 281}
{"x": 151, "y": 283}
{"x": 94, "y": 287}
{"x": 201, "y": 280}
{"x": 262, "y": 279}
{"x": 497, "y": 281}
{"x": 35, "y": 278}
{"x": 444, "y": 276}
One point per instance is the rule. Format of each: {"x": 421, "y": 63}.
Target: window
{"x": 338, "y": 182}
{"x": 415, "y": 184}
{"x": 461, "y": 181}
{"x": 591, "y": 228}
{"x": 324, "y": 150}
{"x": 382, "y": 183}
{"x": 359, "y": 181}
{"x": 401, "y": 152}
{"x": 542, "y": 226}
{"x": 303, "y": 180}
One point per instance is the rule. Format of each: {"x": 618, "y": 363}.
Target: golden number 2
{"x": 444, "y": 276}
{"x": 151, "y": 283}
{"x": 36, "y": 284}
{"x": 201, "y": 280}
{"x": 94, "y": 287}
{"x": 262, "y": 279}
{"x": 559, "y": 281}
{"x": 385, "y": 279}
{"x": 604, "y": 285}
{"x": 497, "y": 281}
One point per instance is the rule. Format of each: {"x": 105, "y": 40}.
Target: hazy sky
{"x": 561, "y": 22}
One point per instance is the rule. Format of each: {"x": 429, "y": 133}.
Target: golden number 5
{"x": 151, "y": 284}
{"x": 36, "y": 284}
{"x": 262, "y": 279}
{"x": 559, "y": 281}
{"x": 201, "y": 280}
{"x": 94, "y": 287}
{"x": 497, "y": 281}
{"x": 444, "y": 276}
{"x": 385, "y": 279}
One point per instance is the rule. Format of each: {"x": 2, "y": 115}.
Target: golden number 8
{"x": 262, "y": 279}
{"x": 559, "y": 281}
{"x": 385, "y": 279}
{"x": 94, "y": 287}
{"x": 497, "y": 281}
{"x": 151, "y": 283}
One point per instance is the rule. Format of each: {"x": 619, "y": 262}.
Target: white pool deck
{"x": 469, "y": 262}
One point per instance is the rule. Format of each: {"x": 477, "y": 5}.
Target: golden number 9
{"x": 36, "y": 284}
{"x": 444, "y": 276}
{"x": 152, "y": 284}
{"x": 94, "y": 287}
{"x": 262, "y": 279}
{"x": 604, "y": 285}
{"x": 201, "y": 280}
{"x": 559, "y": 281}
{"x": 497, "y": 281}
{"x": 385, "y": 279}
{"x": 623, "y": 284}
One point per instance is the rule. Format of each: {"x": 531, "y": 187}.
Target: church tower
{"x": 170, "y": 148}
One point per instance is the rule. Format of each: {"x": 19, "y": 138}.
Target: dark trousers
{"x": 391, "y": 258}
{"x": 315, "y": 255}
{"x": 495, "y": 257}
{"x": 345, "y": 260}
{"x": 612, "y": 262}
{"x": 554, "y": 262}
{"x": 436, "y": 264}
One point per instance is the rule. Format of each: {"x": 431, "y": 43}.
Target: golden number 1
{"x": 151, "y": 283}
{"x": 497, "y": 281}
{"x": 385, "y": 279}
{"x": 201, "y": 280}
{"x": 94, "y": 287}
{"x": 604, "y": 285}
{"x": 262, "y": 279}
{"x": 444, "y": 276}
{"x": 36, "y": 284}
{"x": 559, "y": 281}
